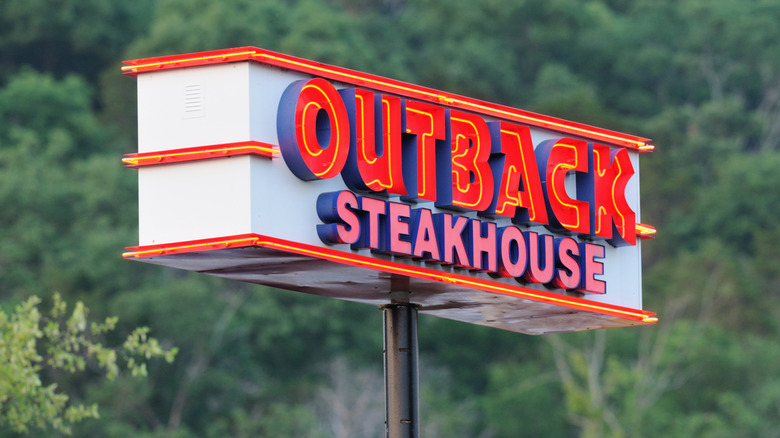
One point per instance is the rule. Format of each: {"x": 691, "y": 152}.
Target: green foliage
{"x": 279, "y": 419}
{"x": 73, "y": 36}
{"x": 32, "y": 344}
{"x": 180, "y": 26}
{"x": 702, "y": 78}
{"x": 559, "y": 91}
{"x": 525, "y": 397}
{"x": 70, "y": 205}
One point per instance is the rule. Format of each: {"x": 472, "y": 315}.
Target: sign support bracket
{"x": 401, "y": 357}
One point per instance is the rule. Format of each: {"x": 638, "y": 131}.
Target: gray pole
{"x": 402, "y": 418}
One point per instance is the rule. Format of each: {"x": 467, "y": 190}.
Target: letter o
{"x": 512, "y": 253}
{"x": 313, "y": 129}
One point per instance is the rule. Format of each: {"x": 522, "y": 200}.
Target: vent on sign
{"x": 193, "y": 101}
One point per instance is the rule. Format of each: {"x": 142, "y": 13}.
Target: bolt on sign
{"x": 270, "y": 169}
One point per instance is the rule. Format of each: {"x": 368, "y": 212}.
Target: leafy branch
{"x": 30, "y": 341}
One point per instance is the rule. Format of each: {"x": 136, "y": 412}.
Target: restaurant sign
{"x": 271, "y": 169}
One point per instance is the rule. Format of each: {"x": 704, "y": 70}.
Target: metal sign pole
{"x": 402, "y": 417}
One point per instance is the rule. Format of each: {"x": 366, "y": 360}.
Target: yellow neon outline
{"x": 135, "y": 68}
{"x": 644, "y": 229}
{"x": 303, "y": 128}
{"x": 421, "y": 154}
{"x": 614, "y": 201}
{"x": 134, "y": 161}
{"x": 597, "y": 159}
{"x": 162, "y": 251}
{"x": 530, "y": 208}
{"x": 509, "y": 200}
{"x": 335, "y": 122}
{"x": 567, "y": 168}
{"x": 387, "y": 149}
{"x": 362, "y": 138}
{"x": 448, "y": 100}
{"x": 478, "y": 173}
{"x": 448, "y": 279}
{"x": 601, "y": 172}
{"x": 393, "y": 267}
{"x": 387, "y": 154}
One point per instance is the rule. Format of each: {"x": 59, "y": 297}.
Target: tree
{"x": 35, "y": 347}
{"x": 702, "y": 78}
{"x": 67, "y": 36}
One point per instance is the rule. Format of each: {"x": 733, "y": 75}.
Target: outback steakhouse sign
{"x": 271, "y": 169}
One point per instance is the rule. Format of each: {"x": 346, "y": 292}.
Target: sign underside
{"x": 459, "y": 296}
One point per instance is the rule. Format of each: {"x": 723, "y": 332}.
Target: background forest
{"x": 699, "y": 77}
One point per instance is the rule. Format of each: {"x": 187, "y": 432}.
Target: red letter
{"x": 558, "y": 158}
{"x": 313, "y": 129}
{"x": 483, "y": 245}
{"x": 520, "y": 185}
{"x": 612, "y": 171}
{"x": 567, "y": 275}
{"x": 374, "y": 208}
{"x": 341, "y": 225}
{"x": 590, "y": 268}
{"x": 472, "y": 179}
{"x": 453, "y": 250}
{"x": 426, "y": 122}
{"x": 374, "y": 161}
{"x": 513, "y": 252}
{"x": 424, "y": 234}
{"x": 397, "y": 228}
{"x": 541, "y": 259}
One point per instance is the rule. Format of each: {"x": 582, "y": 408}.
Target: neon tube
{"x": 134, "y": 67}
{"x": 200, "y": 153}
{"x": 644, "y": 231}
{"x": 249, "y": 240}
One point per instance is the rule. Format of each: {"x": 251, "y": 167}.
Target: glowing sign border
{"x": 378, "y": 83}
{"x": 370, "y": 269}
{"x": 200, "y": 153}
{"x": 257, "y": 240}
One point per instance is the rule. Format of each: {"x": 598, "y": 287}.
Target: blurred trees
{"x": 702, "y": 78}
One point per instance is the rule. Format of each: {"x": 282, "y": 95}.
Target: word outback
{"x": 387, "y": 145}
